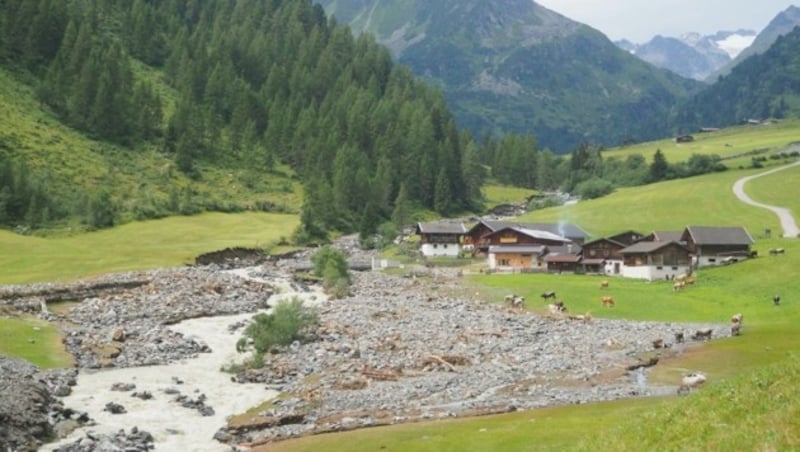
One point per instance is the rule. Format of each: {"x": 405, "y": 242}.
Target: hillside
{"x": 140, "y": 108}
{"x": 514, "y": 65}
{"x": 763, "y": 86}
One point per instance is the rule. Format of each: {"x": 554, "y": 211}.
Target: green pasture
{"x": 672, "y": 205}
{"x": 777, "y": 189}
{"x": 727, "y": 143}
{"x": 136, "y": 246}
{"x": 504, "y": 194}
{"x": 36, "y": 340}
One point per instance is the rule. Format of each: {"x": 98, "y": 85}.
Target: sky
{"x": 640, "y": 20}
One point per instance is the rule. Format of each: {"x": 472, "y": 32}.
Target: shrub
{"x": 594, "y": 188}
{"x": 331, "y": 266}
{"x": 288, "y": 322}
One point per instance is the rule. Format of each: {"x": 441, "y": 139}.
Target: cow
{"x": 776, "y": 299}
{"x": 704, "y": 334}
{"x": 678, "y": 286}
{"x": 737, "y": 318}
{"x": 514, "y": 300}
{"x": 607, "y": 301}
{"x": 548, "y": 294}
{"x": 775, "y": 251}
{"x": 659, "y": 343}
{"x": 690, "y": 280}
{"x": 604, "y": 284}
{"x": 691, "y": 381}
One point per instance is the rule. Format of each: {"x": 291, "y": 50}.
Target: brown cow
{"x": 604, "y": 284}
{"x": 607, "y": 301}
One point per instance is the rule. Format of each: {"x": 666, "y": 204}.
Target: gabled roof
{"x": 636, "y": 235}
{"x": 649, "y": 247}
{"x": 518, "y": 249}
{"x": 667, "y": 236}
{"x": 534, "y": 234}
{"x": 708, "y": 235}
{"x": 441, "y": 227}
{"x": 603, "y": 239}
{"x": 568, "y": 230}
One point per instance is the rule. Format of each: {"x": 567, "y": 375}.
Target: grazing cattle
{"x": 702, "y": 334}
{"x": 585, "y": 318}
{"x": 607, "y": 301}
{"x": 737, "y": 318}
{"x": 691, "y": 381}
{"x": 776, "y": 299}
{"x": 736, "y": 329}
{"x": 775, "y": 251}
{"x": 679, "y": 337}
{"x": 678, "y": 286}
{"x": 548, "y": 294}
{"x": 681, "y": 278}
{"x": 514, "y": 300}
{"x": 604, "y": 284}
{"x": 659, "y": 343}
{"x": 690, "y": 280}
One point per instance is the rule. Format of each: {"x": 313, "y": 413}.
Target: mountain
{"x": 782, "y": 24}
{"x": 691, "y": 55}
{"x": 765, "y": 85}
{"x": 515, "y": 66}
{"x": 179, "y": 92}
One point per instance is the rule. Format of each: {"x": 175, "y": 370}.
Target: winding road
{"x": 788, "y": 224}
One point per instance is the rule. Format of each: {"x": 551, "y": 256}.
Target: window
{"x": 435, "y": 246}
{"x": 504, "y": 262}
{"x": 659, "y": 268}
{"x": 712, "y": 260}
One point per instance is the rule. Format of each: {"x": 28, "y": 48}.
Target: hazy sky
{"x": 640, "y": 20}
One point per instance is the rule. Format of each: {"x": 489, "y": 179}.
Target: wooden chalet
{"x": 603, "y": 255}
{"x": 563, "y": 259}
{"x": 441, "y": 238}
{"x": 655, "y": 260}
{"x": 627, "y": 238}
{"x": 514, "y": 247}
{"x": 477, "y": 242}
{"x": 717, "y": 245}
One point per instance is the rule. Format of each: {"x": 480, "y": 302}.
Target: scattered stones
{"x": 135, "y": 441}
{"x": 114, "y": 408}
{"x": 123, "y": 387}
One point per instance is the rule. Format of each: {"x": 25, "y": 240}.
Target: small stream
{"x": 174, "y": 427}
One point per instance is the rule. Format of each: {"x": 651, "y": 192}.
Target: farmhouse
{"x": 476, "y": 241}
{"x": 441, "y": 238}
{"x": 662, "y": 236}
{"x": 655, "y": 260}
{"x": 717, "y": 245}
{"x": 515, "y": 247}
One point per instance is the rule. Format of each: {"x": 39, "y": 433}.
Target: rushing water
{"x": 174, "y": 427}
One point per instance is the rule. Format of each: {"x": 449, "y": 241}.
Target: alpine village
{"x": 359, "y": 225}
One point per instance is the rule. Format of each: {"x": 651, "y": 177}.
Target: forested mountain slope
{"x": 515, "y": 66}
{"x": 763, "y": 86}
{"x": 217, "y": 85}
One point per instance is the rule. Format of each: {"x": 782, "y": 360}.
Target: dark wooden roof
{"x": 441, "y": 227}
{"x": 708, "y": 235}
{"x": 611, "y": 241}
{"x": 649, "y": 247}
{"x": 562, "y": 258}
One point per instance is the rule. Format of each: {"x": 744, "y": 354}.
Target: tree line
{"x": 260, "y": 82}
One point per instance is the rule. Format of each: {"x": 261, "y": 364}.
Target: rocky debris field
{"x": 401, "y": 348}
{"x": 131, "y": 327}
{"x": 411, "y": 348}
{"x": 30, "y": 412}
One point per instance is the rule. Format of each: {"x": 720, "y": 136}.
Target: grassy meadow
{"x": 36, "y": 340}
{"x": 728, "y": 143}
{"x": 136, "y": 246}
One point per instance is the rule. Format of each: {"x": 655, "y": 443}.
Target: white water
{"x": 174, "y": 427}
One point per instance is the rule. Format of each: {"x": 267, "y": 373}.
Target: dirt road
{"x": 788, "y": 223}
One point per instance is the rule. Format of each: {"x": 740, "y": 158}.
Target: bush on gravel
{"x": 289, "y": 321}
